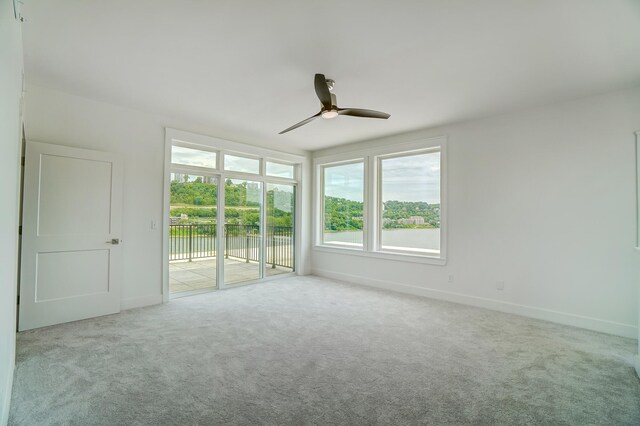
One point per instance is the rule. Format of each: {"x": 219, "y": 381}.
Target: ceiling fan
{"x": 329, "y": 108}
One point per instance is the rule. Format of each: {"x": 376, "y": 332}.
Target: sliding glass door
{"x": 192, "y": 232}
{"x": 280, "y": 218}
{"x": 231, "y": 214}
{"x": 243, "y": 252}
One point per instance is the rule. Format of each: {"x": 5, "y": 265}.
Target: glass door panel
{"x": 243, "y": 242}
{"x": 280, "y": 225}
{"x": 192, "y": 233}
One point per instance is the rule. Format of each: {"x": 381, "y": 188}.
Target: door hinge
{"x": 20, "y": 230}
{"x": 22, "y": 161}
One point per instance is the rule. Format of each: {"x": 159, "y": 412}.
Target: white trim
{"x": 223, "y": 144}
{"x": 263, "y": 229}
{"x": 139, "y": 302}
{"x": 220, "y": 239}
{"x": 637, "y": 133}
{"x": 297, "y": 224}
{"x": 399, "y": 257}
{"x": 444, "y": 200}
{"x": 6, "y": 404}
{"x": 372, "y": 209}
{"x": 193, "y": 170}
{"x": 411, "y": 145}
{"x": 166, "y": 207}
{"x": 589, "y": 323}
{"x": 194, "y": 292}
{"x": 185, "y": 170}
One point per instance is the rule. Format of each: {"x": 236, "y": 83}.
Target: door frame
{"x": 221, "y": 147}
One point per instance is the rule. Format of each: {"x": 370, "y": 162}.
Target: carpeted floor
{"x": 306, "y": 350}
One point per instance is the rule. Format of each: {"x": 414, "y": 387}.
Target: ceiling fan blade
{"x": 302, "y": 123}
{"x": 366, "y": 113}
{"x": 322, "y": 90}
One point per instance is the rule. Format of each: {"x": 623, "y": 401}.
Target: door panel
{"x": 193, "y": 214}
{"x": 70, "y": 268}
{"x": 86, "y": 185}
{"x": 280, "y": 228}
{"x": 90, "y": 274}
{"x": 242, "y": 231}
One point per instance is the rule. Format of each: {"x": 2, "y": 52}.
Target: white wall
{"x": 10, "y": 96}
{"x": 60, "y": 118}
{"x": 540, "y": 199}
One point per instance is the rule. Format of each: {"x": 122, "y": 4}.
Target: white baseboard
{"x": 139, "y": 302}
{"x": 4, "y": 408}
{"x": 595, "y": 324}
{"x": 636, "y": 364}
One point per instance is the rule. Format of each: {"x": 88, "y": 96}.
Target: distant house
{"x": 412, "y": 220}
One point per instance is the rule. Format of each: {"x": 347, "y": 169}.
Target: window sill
{"x": 399, "y": 257}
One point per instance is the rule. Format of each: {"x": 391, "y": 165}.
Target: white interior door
{"x": 71, "y": 256}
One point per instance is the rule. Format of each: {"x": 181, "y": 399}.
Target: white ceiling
{"x": 246, "y": 67}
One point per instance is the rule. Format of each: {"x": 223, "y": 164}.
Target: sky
{"x": 192, "y": 157}
{"x": 195, "y": 157}
{"x": 411, "y": 178}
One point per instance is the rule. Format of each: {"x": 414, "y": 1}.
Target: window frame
{"x": 372, "y": 194}
{"x": 379, "y": 210}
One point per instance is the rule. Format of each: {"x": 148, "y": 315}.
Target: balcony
{"x": 193, "y": 251}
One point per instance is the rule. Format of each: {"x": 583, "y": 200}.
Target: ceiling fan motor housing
{"x": 334, "y": 103}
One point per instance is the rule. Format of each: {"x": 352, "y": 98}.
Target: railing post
{"x": 273, "y": 247}
{"x": 190, "y": 241}
{"x": 247, "y": 246}
{"x": 226, "y": 241}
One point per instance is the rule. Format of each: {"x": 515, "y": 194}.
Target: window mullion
{"x": 370, "y": 206}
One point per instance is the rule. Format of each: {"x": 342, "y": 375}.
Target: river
{"x": 409, "y": 238}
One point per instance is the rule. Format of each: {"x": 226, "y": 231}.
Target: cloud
{"x": 409, "y": 178}
{"x": 192, "y": 157}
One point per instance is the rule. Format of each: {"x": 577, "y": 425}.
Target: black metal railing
{"x": 197, "y": 241}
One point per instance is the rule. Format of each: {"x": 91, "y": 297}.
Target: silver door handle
{"x": 114, "y": 241}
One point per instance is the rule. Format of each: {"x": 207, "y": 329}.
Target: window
{"x": 193, "y": 157}
{"x": 280, "y": 170}
{"x": 387, "y": 202}
{"x": 234, "y": 163}
{"x": 343, "y": 194}
{"x": 409, "y": 202}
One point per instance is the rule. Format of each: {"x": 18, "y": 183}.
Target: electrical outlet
{"x": 450, "y": 280}
{"x": 499, "y": 285}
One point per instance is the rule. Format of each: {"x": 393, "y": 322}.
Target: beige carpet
{"x": 307, "y": 350}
